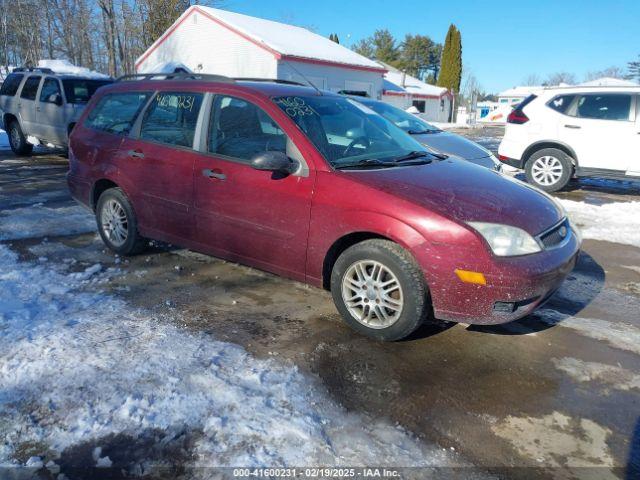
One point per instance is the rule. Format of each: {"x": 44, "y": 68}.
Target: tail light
{"x": 518, "y": 116}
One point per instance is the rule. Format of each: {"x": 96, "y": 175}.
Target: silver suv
{"x": 39, "y": 106}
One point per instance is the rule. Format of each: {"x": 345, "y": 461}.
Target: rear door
{"x": 160, "y": 160}
{"x": 27, "y": 105}
{"x": 601, "y": 129}
{"x": 259, "y": 217}
{"x": 51, "y": 124}
{"x": 8, "y": 91}
{"x": 634, "y": 166}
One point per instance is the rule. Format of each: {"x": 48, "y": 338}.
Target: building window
{"x": 419, "y": 104}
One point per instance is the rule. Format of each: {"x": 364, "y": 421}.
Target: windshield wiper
{"x": 367, "y": 162}
{"x": 416, "y": 154}
{"x": 420, "y": 132}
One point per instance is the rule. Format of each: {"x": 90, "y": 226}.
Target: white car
{"x": 565, "y": 132}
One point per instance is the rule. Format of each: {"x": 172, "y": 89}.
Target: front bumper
{"x": 515, "y": 288}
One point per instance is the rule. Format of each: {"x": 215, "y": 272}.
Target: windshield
{"x": 78, "y": 90}
{"x": 345, "y": 131}
{"x": 406, "y": 121}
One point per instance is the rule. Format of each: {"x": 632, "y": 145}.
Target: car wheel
{"x": 549, "y": 169}
{"x": 117, "y": 223}
{"x": 17, "y": 140}
{"x": 379, "y": 290}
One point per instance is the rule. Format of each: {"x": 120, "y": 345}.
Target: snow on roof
{"x": 609, "y": 82}
{"x": 165, "y": 67}
{"x": 521, "y": 91}
{"x": 286, "y": 40}
{"x": 66, "y": 68}
{"x": 393, "y": 82}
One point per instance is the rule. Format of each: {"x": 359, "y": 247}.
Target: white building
{"x": 609, "y": 82}
{"x": 217, "y": 41}
{"x": 404, "y": 91}
{"x": 515, "y": 95}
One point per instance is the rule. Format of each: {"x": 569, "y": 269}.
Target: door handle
{"x": 207, "y": 172}
{"x": 37, "y": 109}
{"x": 572, "y": 126}
{"x": 135, "y": 154}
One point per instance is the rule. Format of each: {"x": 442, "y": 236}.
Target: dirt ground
{"x": 555, "y": 394}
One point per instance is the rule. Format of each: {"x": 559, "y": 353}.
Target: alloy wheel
{"x": 114, "y": 222}
{"x": 372, "y": 294}
{"x": 547, "y": 170}
{"x": 14, "y": 137}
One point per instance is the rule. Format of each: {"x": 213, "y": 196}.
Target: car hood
{"x": 465, "y": 192}
{"x": 452, "y": 144}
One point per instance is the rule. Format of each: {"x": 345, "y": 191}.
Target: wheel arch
{"x": 533, "y": 148}
{"x": 98, "y": 188}
{"x": 7, "y": 118}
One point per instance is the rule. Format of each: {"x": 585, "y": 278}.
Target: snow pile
{"x": 67, "y": 68}
{"x": 617, "y": 222}
{"x": 39, "y": 221}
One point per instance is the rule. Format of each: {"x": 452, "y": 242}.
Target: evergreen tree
{"x": 365, "y": 48}
{"x": 415, "y": 55}
{"x": 451, "y": 62}
{"x": 634, "y": 70}
{"x": 334, "y": 38}
{"x": 385, "y": 47}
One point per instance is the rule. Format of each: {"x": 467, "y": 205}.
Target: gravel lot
{"x": 553, "y": 395}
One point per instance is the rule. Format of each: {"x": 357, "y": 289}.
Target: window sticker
{"x": 295, "y": 106}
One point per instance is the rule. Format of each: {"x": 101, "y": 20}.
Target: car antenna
{"x": 304, "y": 77}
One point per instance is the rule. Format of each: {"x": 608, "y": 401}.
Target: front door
{"x": 601, "y": 129}
{"x": 257, "y": 217}
{"x": 159, "y": 162}
{"x": 50, "y": 114}
{"x": 27, "y": 105}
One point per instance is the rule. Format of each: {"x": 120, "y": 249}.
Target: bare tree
{"x": 612, "y": 72}
{"x": 561, "y": 77}
{"x": 532, "y": 80}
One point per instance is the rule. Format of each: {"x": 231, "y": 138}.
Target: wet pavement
{"x": 556, "y": 394}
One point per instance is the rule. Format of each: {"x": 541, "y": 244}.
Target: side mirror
{"x": 276, "y": 162}
{"x": 57, "y": 99}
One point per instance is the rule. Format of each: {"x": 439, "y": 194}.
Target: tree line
{"x": 418, "y": 55}
{"x": 103, "y": 35}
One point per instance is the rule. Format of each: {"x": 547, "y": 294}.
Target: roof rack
{"x": 33, "y": 69}
{"x": 272, "y": 80}
{"x": 175, "y": 76}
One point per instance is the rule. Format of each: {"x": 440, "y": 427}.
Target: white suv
{"x": 565, "y": 132}
{"x": 39, "y": 106}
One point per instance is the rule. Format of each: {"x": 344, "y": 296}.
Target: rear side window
{"x": 171, "y": 118}
{"x": 30, "y": 88}
{"x": 50, "y": 90}
{"x": 115, "y": 113}
{"x": 561, "y": 103}
{"x": 79, "y": 90}
{"x": 11, "y": 84}
{"x": 608, "y": 106}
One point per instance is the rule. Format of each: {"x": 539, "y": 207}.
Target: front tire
{"x": 17, "y": 140}
{"x": 379, "y": 290}
{"x": 117, "y": 223}
{"x": 549, "y": 169}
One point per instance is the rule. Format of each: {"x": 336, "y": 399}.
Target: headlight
{"x": 506, "y": 241}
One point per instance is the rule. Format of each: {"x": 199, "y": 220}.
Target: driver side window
{"x": 116, "y": 112}
{"x": 240, "y": 129}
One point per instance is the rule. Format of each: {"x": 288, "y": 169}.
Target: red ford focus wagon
{"x": 318, "y": 188}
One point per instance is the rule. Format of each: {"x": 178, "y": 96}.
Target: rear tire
{"x": 379, "y": 290}
{"x": 17, "y": 140}
{"x": 117, "y": 223}
{"x": 549, "y": 169}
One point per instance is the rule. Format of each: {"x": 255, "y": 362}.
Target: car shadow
{"x": 580, "y": 288}
{"x": 633, "y": 462}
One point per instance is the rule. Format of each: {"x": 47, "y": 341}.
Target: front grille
{"x": 556, "y": 235}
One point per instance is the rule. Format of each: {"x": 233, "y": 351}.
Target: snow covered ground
{"x": 77, "y": 365}
{"x": 4, "y": 140}
{"x": 616, "y": 222}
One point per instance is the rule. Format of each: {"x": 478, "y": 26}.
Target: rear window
{"x": 171, "y": 118}
{"x": 11, "y": 84}
{"x": 30, "y": 88}
{"x": 79, "y": 90}
{"x": 115, "y": 113}
{"x": 561, "y": 103}
{"x": 608, "y": 106}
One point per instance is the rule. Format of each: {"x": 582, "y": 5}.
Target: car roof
{"x": 264, "y": 87}
{"x": 591, "y": 89}
{"x": 61, "y": 76}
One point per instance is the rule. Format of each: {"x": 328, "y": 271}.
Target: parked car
{"x": 567, "y": 132}
{"x": 315, "y": 187}
{"x": 39, "y": 106}
{"x": 431, "y": 136}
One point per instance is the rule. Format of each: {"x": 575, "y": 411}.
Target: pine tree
{"x": 334, "y": 38}
{"x": 451, "y": 63}
{"x": 634, "y": 70}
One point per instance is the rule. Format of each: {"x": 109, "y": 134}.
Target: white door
{"x": 601, "y": 129}
{"x": 634, "y": 166}
{"x": 50, "y": 114}
{"x": 27, "y": 104}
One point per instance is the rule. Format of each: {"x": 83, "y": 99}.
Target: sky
{"x": 503, "y": 42}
